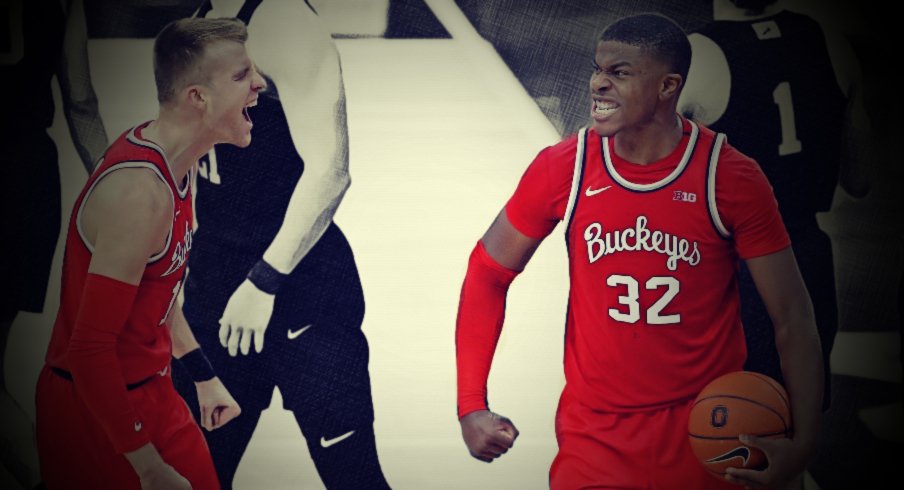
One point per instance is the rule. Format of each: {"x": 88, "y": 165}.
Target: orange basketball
{"x": 737, "y": 403}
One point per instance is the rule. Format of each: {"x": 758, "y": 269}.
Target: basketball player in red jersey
{"x": 658, "y": 212}
{"x": 107, "y": 413}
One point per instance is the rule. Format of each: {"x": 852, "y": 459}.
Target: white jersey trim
{"x": 576, "y": 177}
{"x": 133, "y": 137}
{"x": 685, "y": 159}
{"x": 711, "y": 187}
{"x": 121, "y": 165}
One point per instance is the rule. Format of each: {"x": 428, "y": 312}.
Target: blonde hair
{"x": 180, "y": 46}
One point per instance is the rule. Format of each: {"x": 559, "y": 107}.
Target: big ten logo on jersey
{"x": 684, "y": 196}
{"x": 12, "y": 42}
{"x": 207, "y": 167}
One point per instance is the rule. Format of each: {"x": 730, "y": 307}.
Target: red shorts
{"x": 76, "y": 453}
{"x": 636, "y": 450}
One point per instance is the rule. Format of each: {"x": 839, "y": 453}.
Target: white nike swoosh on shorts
{"x": 336, "y": 440}
{"x": 294, "y": 334}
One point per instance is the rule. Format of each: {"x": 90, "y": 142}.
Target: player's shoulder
{"x": 797, "y": 19}
{"x": 559, "y": 158}
{"x": 276, "y": 25}
{"x": 282, "y": 20}
{"x": 734, "y": 164}
{"x": 137, "y": 188}
{"x": 131, "y": 200}
{"x": 565, "y": 149}
{"x": 128, "y": 147}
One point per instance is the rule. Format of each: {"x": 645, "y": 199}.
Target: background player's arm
{"x": 77, "y": 93}
{"x": 126, "y": 218}
{"x": 216, "y": 404}
{"x": 502, "y": 253}
{"x": 313, "y": 97}
{"x": 853, "y": 172}
{"x": 704, "y": 96}
{"x": 782, "y": 289}
{"x": 311, "y": 92}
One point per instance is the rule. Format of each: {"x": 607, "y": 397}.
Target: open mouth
{"x": 245, "y": 113}
{"x": 603, "y": 108}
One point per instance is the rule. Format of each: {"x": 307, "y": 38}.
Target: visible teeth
{"x": 604, "y": 107}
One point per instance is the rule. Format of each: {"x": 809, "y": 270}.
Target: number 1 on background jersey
{"x": 782, "y": 98}
{"x": 207, "y": 167}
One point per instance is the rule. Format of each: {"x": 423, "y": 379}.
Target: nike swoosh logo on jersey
{"x": 592, "y": 192}
{"x": 336, "y": 440}
{"x": 294, "y": 334}
{"x": 738, "y": 452}
{"x": 138, "y": 426}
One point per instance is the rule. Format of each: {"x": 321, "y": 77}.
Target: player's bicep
{"x": 128, "y": 220}
{"x": 309, "y": 82}
{"x": 780, "y": 285}
{"x": 508, "y": 246}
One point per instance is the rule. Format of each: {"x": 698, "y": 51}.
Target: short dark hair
{"x": 655, "y": 34}
{"x": 180, "y": 46}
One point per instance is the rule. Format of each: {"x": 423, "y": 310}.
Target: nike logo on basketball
{"x": 293, "y": 334}
{"x": 738, "y": 452}
{"x": 592, "y": 192}
{"x": 324, "y": 442}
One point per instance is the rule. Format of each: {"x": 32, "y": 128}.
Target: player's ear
{"x": 195, "y": 96}
{"x": 671, "y": 83}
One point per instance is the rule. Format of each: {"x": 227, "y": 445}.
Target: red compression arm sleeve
{"x": 481, "y": 310}
{"x": 105, "y": 307}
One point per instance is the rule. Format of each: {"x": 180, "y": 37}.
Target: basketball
{"x": 737, "y": 403}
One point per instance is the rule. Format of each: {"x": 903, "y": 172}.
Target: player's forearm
{"x": 79, "y": 100}
{"x": 183, "y": 339}
{"x": 94, "y": 364}
{"x": 144, "y": 460}
{"x": 87, "y": 131}
{"x": 481, "y": 312}
{"x": 798, "y": 345}
{"x": 310, "y": 211}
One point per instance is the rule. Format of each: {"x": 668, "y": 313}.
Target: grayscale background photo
{"x": 448, "y": 101}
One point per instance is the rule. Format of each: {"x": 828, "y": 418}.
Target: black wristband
{"x": 197, "y": 366}
{"x": 265, "y": 277}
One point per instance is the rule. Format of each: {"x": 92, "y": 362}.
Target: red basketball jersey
{"x": 144, "y": 346}
{"x": 653, "y": 311}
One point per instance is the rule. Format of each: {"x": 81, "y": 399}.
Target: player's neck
{"x": 181, "y": 144}
{"x": 651, "y": 142}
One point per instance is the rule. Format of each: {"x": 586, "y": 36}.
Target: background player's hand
{"x": 487, "y": 435}
{"x": 787, "y": 462}
{"x": 245, "y": 319}
{"x": 217, "y": 405}
{"x": 153, "y": 472}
